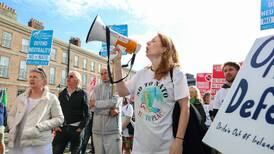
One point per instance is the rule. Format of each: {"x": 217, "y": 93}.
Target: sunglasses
{"x": 104, "y": 73}
{"x": 40, "y": 71}
{"x": 70, "y": 76}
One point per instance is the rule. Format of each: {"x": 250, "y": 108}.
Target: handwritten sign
{"x": 245, "y": 121}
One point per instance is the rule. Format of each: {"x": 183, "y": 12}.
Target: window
{"x": 52, "y": 75}
{"x": 76, "y": 61}
{"x": 63, "y": 77}
{"x": 53, "y": 54}
{"x": 99, "y": 68}
{"x": 4, "y": 66}
{"x": 25, "y": 45}
{"x": 84, "y": 79}
{"x": 6, "y": 39}
{"x": 23, "y": 70}
{"x": 92, "y": 66}
{"x": 65, "y": 57}
{"x": 85, "y": 64}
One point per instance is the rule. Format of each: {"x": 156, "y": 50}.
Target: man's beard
{"x": 231, "y": 80}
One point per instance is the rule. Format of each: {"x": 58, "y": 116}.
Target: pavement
{"x": 65, "y": 152}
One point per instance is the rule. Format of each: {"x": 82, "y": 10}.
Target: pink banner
{"x": 218, "y": 79}
{"x": 203, "y": 82}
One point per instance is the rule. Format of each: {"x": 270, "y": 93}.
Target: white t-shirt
{"x": 207, "y": 108}
{"x": 219, "y": 98}
{"x": 154, "y": 102}
{"x": 127, "y": 111}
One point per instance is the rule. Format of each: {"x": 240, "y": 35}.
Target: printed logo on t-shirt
{"x": 151, "y": 97}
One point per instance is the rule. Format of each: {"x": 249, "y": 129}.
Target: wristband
{"x": 179, "y": 138}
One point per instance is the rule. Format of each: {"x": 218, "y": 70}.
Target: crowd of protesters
{"x": 134, "y": 117}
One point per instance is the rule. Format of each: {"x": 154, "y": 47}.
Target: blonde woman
{"x": 197, "y": 101}
{"x": 34, "y": 114}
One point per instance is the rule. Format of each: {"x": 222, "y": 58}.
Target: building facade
{"x": 14, "y": 44}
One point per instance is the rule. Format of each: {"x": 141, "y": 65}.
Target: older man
{"x": 107, "y": 120}
{"x": 74, "y": 105}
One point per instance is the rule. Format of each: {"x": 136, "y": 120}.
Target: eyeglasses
{"x": 104, "y": 73}
{"x": 70, "y": 76}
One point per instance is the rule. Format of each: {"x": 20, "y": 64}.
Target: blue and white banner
{"x": 40, "y": 47}
{"x": 121, "y": 29}
{"x": 245, "y": 122}
{"x": 267, "y": 14}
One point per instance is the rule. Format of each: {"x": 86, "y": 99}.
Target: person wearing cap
{"x": 32, "y": 117}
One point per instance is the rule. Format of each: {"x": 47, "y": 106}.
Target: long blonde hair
{"x": 169, "y": 58}
{"x": 197, "y": 93}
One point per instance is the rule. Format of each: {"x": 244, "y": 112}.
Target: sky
{"x": 204, "y": 32}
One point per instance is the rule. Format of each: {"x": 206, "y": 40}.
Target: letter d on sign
{"x": 243, "y": 85}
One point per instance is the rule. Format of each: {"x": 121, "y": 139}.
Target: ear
{"x": 164, "y": 50}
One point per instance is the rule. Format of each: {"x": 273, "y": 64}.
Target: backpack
{"x": 195, "y": 130}
{"x": 130, "y": 129}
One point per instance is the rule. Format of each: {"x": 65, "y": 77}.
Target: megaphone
{"x": 97, "y": 32}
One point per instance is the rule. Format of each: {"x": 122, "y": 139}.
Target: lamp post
{"x": 58, "y": 87}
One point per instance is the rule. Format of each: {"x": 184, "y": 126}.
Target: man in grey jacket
{"x": 107, "y": 120}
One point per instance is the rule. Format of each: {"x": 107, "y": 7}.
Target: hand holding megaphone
{"x": 97, "y": 32}
{"x": 116, "y": 55}
{"x": 100, "y": 32}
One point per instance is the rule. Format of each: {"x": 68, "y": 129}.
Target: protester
{"x": 196, "y": 100}
{"x": 207, "y": 108}
{"x": 155, "y": 95}
{"x": 3, "y": 118}
{"x": 75, "y": 108}
{"x": 230, "y": 70}
{"x": 127, "y": 114}
{"x": 106, "y": 127}
{"x": 34, "y": 114}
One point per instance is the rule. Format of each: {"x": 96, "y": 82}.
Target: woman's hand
{"x": 116, "y": 54}
{"x": 176, "y": 146}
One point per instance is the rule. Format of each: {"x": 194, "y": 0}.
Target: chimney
{"x": 75, "y": 40}
{"x": 7, "y": 11}
{"x": 35, "y": 24}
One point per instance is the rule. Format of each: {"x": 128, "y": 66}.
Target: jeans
{"x": 61, "y": 140}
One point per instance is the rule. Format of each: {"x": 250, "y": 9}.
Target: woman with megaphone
{"x": 155, "y": 94}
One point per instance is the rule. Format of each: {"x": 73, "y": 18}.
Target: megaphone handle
{"x": 113, "y": 55}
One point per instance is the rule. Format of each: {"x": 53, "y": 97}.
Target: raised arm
{"x": 121, "y": 86}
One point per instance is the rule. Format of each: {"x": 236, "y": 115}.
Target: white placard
{"x": 245, "y": 121}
